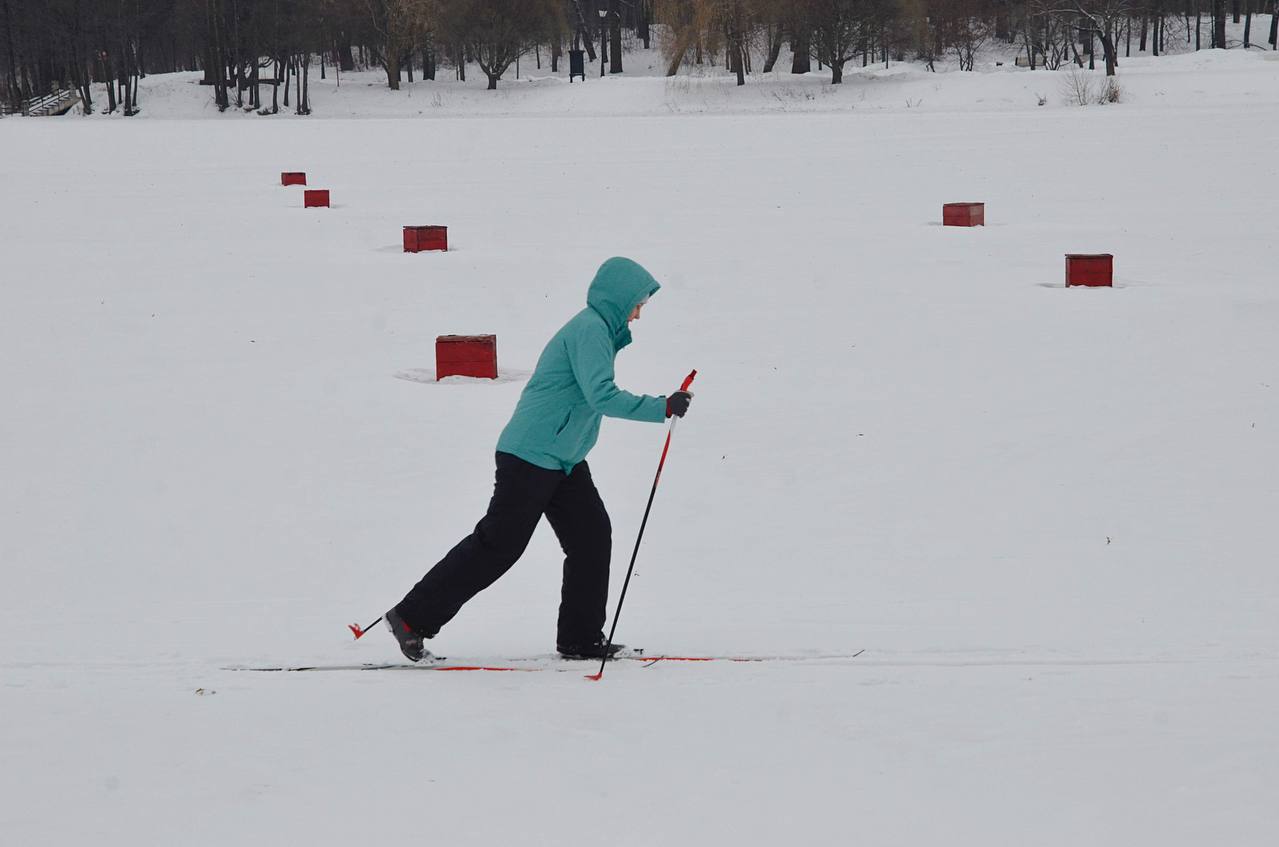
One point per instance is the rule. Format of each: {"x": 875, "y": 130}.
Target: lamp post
{"x": 603, "y": 40}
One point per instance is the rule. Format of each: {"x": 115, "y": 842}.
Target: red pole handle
{"x": 688, "y": 380}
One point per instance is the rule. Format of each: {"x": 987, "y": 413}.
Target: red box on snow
{"x": 419, "y": 238}
{"x": 466, "y": 355}
{"x": 1093, "y": 269}
{"x": 316, "y": 198}
{"x": 963, "y": 214}
{"x": 293, "y": 178}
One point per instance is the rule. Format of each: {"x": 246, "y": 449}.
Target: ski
{"x": 390, "y": 666}
{"x": 819, "y": 657}
{"x": 531, "y": 664}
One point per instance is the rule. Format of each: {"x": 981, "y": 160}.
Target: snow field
{"x": 1044, "y": 513}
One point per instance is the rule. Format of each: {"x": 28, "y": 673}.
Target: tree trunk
{"x": 774, "y": 48}
{"x": 304, "y": 84}
{"x": 801, "y": 60}
{"x": 235, "y": 54}
{"x": 583, "y": 29}
{"x": 392, "y": 69}
{"x": 603, "y": 39}
{"x": 111, "y": 101}
{"x": 735, "y": 59}
{"x": 836, "y": 72}
{"x": 1247, "y": 28}
{"x": 492, "y": 81}
{"x": 1274, "y": 26}
{"x": 14, "y": 92}
{"x": 219, "y": 61}
{"x": 644, "y": 12}
{"x": 1145, "y": 27}
{"x": 82, "y": 75}
{"x": 346, "y": 60}
{"x": 1074, "y": 50}
{"x": 1108, "y": 47}
{"x": 1219, "y": 24}
{"x": 614, "y": 38}
{"x": 126, "y": 80}
{"x": 683, "y": 41}
{"x": 556, "y": 49}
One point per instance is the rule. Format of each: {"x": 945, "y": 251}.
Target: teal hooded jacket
{"x": 557, "y": 419}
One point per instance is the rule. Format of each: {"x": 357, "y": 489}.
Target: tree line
{"x": 259, "y": 54}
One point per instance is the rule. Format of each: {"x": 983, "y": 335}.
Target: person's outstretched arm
{"x": 591, "y": 357}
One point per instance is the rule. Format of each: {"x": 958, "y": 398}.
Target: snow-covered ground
{"x": 1171, "y": 81}
{"x": 1047, "y": 515}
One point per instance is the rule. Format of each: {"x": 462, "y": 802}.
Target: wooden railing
{"x": 54, "y": 103}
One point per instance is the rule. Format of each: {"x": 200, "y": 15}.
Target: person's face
{"x": 635, "y": 313}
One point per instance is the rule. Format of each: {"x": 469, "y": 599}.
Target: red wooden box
{"x": 419, "y": 238}
{"x": 293, "y": 178}
{"x": 466, "y": 355}
{"x": 1095, "y": 269}
{"x": 316, "y": 197}
{"x": 963, "y": 214}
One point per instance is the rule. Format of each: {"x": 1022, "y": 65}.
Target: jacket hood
{"x": 619, "y": 286}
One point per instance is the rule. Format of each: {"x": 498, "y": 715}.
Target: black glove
{"x": 677, "y": 403}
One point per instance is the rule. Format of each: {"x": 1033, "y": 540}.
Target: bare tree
{"x": 1101, "y": 18}
{"x": 686, "y": 23}
{"x": 837, "y": 29}
{"x": 400, "y": 26}
{"x": 497, "y": 32}
{"x": 963, "y": 27}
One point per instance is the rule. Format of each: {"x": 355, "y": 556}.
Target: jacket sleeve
{"x": 590, "y": 354}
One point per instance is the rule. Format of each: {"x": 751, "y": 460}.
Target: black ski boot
{"x": 410, "y": 642}
{"x": 591, "y": 650}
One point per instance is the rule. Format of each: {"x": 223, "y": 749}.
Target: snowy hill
{"x": 1044, "y": 513}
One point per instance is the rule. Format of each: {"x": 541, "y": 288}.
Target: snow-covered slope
{"x": 1046, "y": 514}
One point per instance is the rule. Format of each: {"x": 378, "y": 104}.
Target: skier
{"x": 542, "y": 470}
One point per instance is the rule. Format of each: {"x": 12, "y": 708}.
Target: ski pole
{"x": 622, "y": 599}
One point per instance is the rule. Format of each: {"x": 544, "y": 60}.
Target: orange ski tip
{"x": 594, "y": 676}
{"x": 355, "y": 628}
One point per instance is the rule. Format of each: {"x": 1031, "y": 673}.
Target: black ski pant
{"x": 522, "y": 493}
